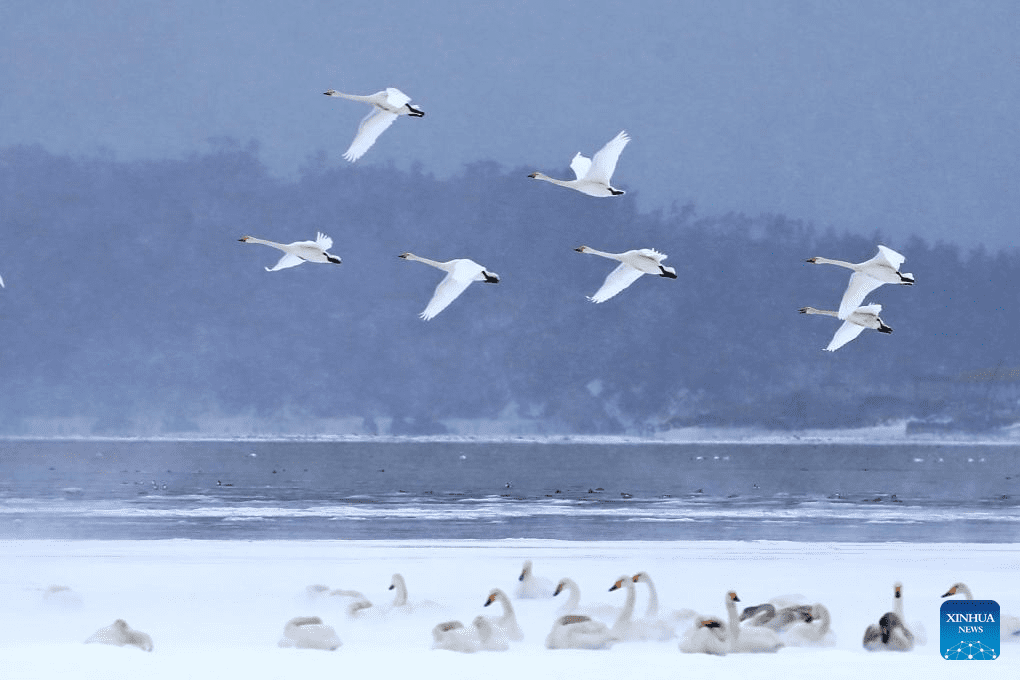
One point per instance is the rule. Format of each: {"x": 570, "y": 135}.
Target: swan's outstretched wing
{"x": 892, "y": 257}
{"x": 286, "y": 261}
{"x": 859, "y": 288}
{"x": 323, "y": 241}
{"x": 847, "y": 332}
{"x": 446, "y": 292}
{"x": 371, "y": 127}
{"x": 618, "y": 279}
{"x": 1, "y": 282}
{"x": 396, "y": 98}
{"x": 580, "y": 165}
{"x": 604, "y": 163}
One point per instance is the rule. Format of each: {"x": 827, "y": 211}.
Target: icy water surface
{"x": 514, "y": 489}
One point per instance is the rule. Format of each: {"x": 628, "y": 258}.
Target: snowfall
{"x": 217, "y": 609}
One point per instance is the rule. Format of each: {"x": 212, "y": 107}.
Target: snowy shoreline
{"x": 217, "y": 608}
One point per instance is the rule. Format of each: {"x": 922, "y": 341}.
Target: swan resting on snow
{"x": 867, "y": 276}
{"x": 751, "y": 639}
{"x": 120, "y": 633}
{"x": 592, "y": 176}
{"x": 891, "y": 633}
{"x": 459, "y": 275}
{"x": 1009, "y": 626}
{"x": 706, "y": 636}
{"x": 299, "y": 252}
{"x": 857, "y": 321}
{"x": 576, "y": 631}
{"x": 531, "y": 586}
{"x": 507, "y": 623}
{"x": 309, "y": 632}
{"x": 625, "y": 628}
{"x": 387, "y": 106}
{"x": 480, "y": 636}
{"x": 633, "y": 263}
{"x": 814, "y": 630}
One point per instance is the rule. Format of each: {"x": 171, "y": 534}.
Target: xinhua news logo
{"x": 970, "y": 630}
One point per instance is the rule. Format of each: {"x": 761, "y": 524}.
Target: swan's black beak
{"x": 391, "y": 587}
{"x": 533, "y": 175}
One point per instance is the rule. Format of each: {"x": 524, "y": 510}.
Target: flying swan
{"x": 386, "y": 107}
{"x": 633, "y": 264}
{"x": 459, "y": 275}
{"x": 856, "y": 321}
{"x": 299, "y": 252}
{"x": 593, "y": 174}
{"x": 867, "y": 276}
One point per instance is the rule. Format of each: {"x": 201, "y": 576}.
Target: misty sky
{"x": 899, "y": 117}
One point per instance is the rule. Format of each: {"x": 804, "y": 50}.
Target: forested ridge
{"x": 130, "y": 299}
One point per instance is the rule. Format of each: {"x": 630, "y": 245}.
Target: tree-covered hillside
{"x": 129, "y": 299}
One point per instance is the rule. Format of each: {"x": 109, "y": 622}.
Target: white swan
{"x": 867, "y": 276}
{"x": 814, "y": 630}
{"x": 891, "y": 632}
{"x": 387, "y": 106}
{"x": 652, "y": 610}
{"x": 507, "y": 623}
{"x": 633, "y": 264}
{"x": 309, "y": 632}
{"x": 531, "y": 586}
{"x": 626, "y": 628}
{"x": 751, "y": 639}
{"x": 573, "y": 603}
{"x": 399, "y": 597}
{"x": 299, "y": 252}
{"x": 479, "y": 636}
{"x": 1009, "y": 626}
{"x": 574, "y": 631}
{"x": 120, "y": 633}
{"x": 857, "y": 321}
{"x": 459, "y": 275}
{"x": 706, "y": 636}
{"x": 593, "y": 175}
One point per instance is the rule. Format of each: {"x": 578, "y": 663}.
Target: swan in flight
{"x": 459, "y": 275}
{"x": 387, "y": 106}
{"x": 531, "y": 586}
{"x": 867, "y": 276}
{"x": 752, "y": 639}
{"x": 592, "y": 175}
{"x": 633, "y": 264}
{"x": 891, "y": 632}
{"x": 309, "y": 632}
{"x": 299, "y": 252}
{"x": 120, "y": 633}
{"x": 855, "y": 322}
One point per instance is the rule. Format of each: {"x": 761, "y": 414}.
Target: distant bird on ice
{"x": 633, "y": 264}
{"x": 593, "y": 175}
{"x": 386, "y": 107}
{"x": 459, "y": 275}
{"x": 867, "y": 276}
{"x": 856, "y": 321}
{"x": 299, "y": 252}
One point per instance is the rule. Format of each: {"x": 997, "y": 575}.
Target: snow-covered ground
{"x": 217, "y": 609}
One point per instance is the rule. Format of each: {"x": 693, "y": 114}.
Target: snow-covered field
{"x": 217, "y": 609}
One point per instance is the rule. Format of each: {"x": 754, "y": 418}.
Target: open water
{"x": 308, "y": 489}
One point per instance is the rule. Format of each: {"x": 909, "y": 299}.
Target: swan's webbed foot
{"x": 490, "y": 278}
{"x": 668, "y": 274}
{"x": 334, "y": 259}
{"x": 616, "y": 192}
{"x": 884, "y": 329}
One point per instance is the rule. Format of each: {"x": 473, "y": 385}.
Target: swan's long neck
{"x": 508, "y": 617}
{"x": 731, "y": 611}
{"x": 400, "y": 599}
{"x": 838, "y": 263}
{"x": 821, "y": 613}
{"x": 425, "y": 260}
{"x": 898, "y": 602}
{"x": 812, "y": 310}
{"x": 628, "y": 606}
{"x": 653, "y": 597}
{"x": 352, "y": 97}
{"x": 574, "y": 598}
{"x": 273, "y": 244}
{"x": 547, "y": 178}
{"x": 592, "y": 251}
{"x": 962, "y": 587}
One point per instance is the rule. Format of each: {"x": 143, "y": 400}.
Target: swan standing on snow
{"x": 593, "y": 175}
{"x": 507, "y": 623}
{"x": 299, "y": 252}
{"x": 120, "y": 633}
{"x": 531, "y": 586}
{"x": 309, "y": 632}
{"x": 459, "y": 275}
{"x": 633, "y": 264}
{"x": 751, "y": 639}
{"x": 891, "y": 632}
{"x": 387, "y": 106}
{"x": 857, "y": 321}
{"x": 867, "y": 276}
